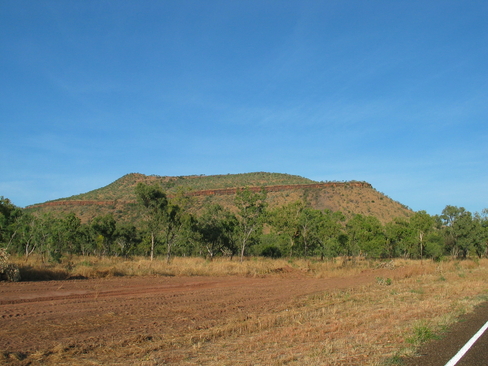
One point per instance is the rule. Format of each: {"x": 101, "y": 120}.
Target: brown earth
{"x": 91, "y": 321}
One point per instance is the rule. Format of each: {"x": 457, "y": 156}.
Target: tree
{"x": 330, "y": 233}
{"x": 125, "y": 239}
{"x": 461, "y": 231}
{"x": 285, "y": 221}
{"x": 86, "y": 240}
{"x": 309, "y": 223}
{"x": 481, "y": 244}
{"x": 177, "y": 222}
{"x": 422, "y": 224}
{"x": 155, "y": 204}
{"x": 449, "y": 215}
{"x": 397, "y": 233}
{"x": 70, "y": 231}
{"x": 366, "y": 237}
{"x": 216, "y": 227}
{"x": 24, "y": 234}
{"x": 307, "y": 230}
{"x": 173, "y": 221}
{"x": 42, "y": 233}
{"x": 466, "y": 232}
{"x": 9, "y": 213}
{"x": 251, "y": 208}
{"x": 104, "y": 228}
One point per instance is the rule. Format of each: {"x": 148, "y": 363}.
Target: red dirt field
{"x": 131, "y": 320}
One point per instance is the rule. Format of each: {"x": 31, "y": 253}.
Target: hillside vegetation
{"x": 119, "y": 197}
{"x": 123, "y": 188}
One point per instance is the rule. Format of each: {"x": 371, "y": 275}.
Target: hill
{"x": 119, "y": 197}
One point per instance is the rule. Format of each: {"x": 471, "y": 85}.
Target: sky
{"x": 394, "y": 93}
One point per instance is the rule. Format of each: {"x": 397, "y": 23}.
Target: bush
{"x": 271, "y": 251}
{"x": 8, "y": 272}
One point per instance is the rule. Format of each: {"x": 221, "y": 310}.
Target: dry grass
{"x": 34, "y": 269}
{"x": 375, "y": 324}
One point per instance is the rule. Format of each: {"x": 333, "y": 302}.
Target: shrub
{"x": 271, "y": 251}
{"x": 8, "y": 271}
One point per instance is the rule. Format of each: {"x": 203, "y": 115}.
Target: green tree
{"x": 481, "y": 244}
{"x": 104, "y": 228}
{"x": 448, "y": 217}
{"x": 461, "y": 231}
{"x": 43, "y": 232}
{"x": 330, "y": 233}
{"x": 251, "y": 209}
{"x": 466, "y": 233}
{"x": 309, "y": 224}
{"x": 216, "y": 227}
{"x": 154, "y": 203}
{"x": 23, "y": 237}
{"x": 173, "y": 223}
{"x": 482, "y": 248}
{"x": 177, "y": 223}
{"x": 285, "y": 221}
{"x": 421, "y": 224}
{"x": 87, "y": 244}
{"x": 397, "y": 234}
{"x": 126, "y": 239}
{"x": 434, "y": 245}
{"x": 366, "y": 237}
{"x": 70, "y": 231}
{"x": 9, "y": 213}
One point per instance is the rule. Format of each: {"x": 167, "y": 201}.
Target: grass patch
{"x": 421, "y": 334}
{"x": 384, "y": 281}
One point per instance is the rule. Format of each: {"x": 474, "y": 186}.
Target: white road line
{"x": 467, "y": 346}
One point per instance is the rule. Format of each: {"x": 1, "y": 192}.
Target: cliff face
{"x": 349, "y": 197}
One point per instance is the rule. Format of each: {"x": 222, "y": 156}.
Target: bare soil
{"x": 94, "y": 320}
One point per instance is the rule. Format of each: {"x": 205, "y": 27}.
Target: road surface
{"x": 440, "y": 352}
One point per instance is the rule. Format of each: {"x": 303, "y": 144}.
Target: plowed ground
{"x": 115, "y": 320}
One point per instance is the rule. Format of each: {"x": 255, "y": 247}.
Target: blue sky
{"x": 394, "y": 93}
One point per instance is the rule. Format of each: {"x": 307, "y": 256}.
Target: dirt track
{"x": 89, "y": 314}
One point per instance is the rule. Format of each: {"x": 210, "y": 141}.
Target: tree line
{"x": 170, "y": 228}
